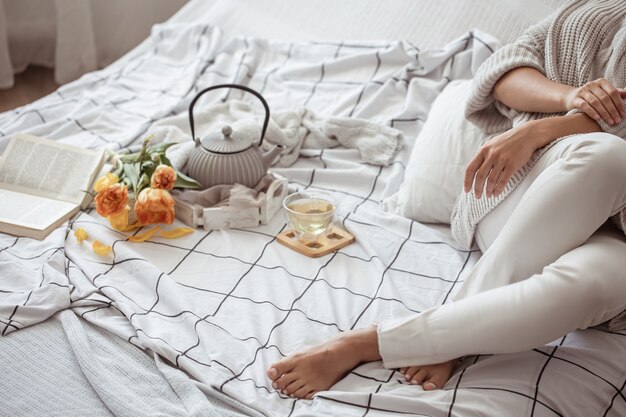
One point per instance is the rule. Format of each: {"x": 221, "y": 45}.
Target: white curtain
{"x": 73, "y": 36}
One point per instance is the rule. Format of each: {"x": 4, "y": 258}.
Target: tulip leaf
{"x": 131, "y": 171}
{"x": 136, "y": 169}
{"x": 161, "y": 147}
{"x": 144, "y": 181}
{"x": 166, "y": 161}
{"x": 183, "y": 181}
{"x": 118, "y": 169}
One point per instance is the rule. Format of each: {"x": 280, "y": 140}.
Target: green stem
{"x": 144, "y": 149}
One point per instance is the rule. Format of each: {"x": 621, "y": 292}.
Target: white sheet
{"x": 223, "y": 305}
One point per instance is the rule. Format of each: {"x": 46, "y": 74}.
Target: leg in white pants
{"x": 547, "y": 268}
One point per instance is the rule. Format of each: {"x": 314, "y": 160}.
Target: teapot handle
{"x": 237, "y": 86}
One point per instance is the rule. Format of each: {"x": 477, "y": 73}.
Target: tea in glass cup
{"x": 310, "y": 213}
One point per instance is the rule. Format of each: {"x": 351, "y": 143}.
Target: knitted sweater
{"x": 582, "y": 41}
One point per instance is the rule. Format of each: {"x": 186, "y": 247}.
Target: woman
{"x": 537, "y": 199}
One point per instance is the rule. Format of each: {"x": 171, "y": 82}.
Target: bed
{"x": 219, "y": 306}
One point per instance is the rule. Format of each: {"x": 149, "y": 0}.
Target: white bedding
{"x": 223, "y": 305}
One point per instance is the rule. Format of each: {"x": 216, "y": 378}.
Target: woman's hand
{"x": 598, "y": 99}
{"x": 499, "y": 158}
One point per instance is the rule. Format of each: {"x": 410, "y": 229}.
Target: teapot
{"x": 227, "y": 156}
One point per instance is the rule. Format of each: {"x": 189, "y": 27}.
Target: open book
{"x": 43, "y": 183}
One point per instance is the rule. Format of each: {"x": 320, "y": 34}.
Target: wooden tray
{"x": 335, "y": 239}
{"x": 226, "y": 217}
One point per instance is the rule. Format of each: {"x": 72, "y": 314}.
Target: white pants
{"x": 550, "y": 263}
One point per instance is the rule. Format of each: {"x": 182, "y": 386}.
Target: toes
{"x": 438, "y": 375}
{"x": 284, "y": 380}
{"x": 435, "y": 381}
{"x": 279, "y": 368}
{"x": 293, "y": 387}
{"x": 419, "y": 377}
{"x": 410, "y": 372}
{"x": 303, "y": 392}
{"x": 272, "y": 373}
{"x": 429, "y": 386}
{"x": 402, "y": 370}
{"x": 310, "y": 395}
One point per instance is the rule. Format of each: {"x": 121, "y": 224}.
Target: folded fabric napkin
{"x": 300, "y": 128}
{"x": 232, "y": 195}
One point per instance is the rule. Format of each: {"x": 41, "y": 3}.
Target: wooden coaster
{"x": 335, "y": 239}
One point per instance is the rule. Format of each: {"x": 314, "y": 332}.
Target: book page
{"x": 31, "y": 211}
{"x": 49, "y": 169}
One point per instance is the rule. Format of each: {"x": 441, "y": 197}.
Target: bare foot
{"x": 317, "y": 369}
{"x": 429, "y": 376}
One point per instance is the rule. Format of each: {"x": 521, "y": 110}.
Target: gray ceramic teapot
{"x": 227, "y": 156}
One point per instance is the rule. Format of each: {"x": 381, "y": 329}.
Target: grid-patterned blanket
{"x": 223, "y": 305}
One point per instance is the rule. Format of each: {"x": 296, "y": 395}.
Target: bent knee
{"x": 594, "y": 272}
{"x": 603, "y": 155}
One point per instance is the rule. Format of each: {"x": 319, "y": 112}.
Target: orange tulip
{"x": 119, "y": 221}
{"x": 112, "y": 199}
{"x": 105, "y": 181}
{"x": 163, "y": 178}
{"x": 154, "y": 206}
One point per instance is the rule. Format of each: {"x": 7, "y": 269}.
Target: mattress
{"x": 224, "y": 304}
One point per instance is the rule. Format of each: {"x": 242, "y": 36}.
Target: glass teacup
{"x": 309, "y": 213}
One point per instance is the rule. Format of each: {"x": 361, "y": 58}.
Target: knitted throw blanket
{"x": 295, "y": 129}
{"x": 582, "y": 41}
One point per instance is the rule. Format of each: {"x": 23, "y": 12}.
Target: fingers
{"x": 481, "y": 177}
{"x": 614, "y": 94}
{"x": 597, "y": 105}
{"x": 478, "y": 171}
{"x": 607, "y": 103}
{"x": 470, "y": 171}
{"x": 494, "y": 175}
{"x": 503, "y": 180}
{"x": 599, "y": 99}
{"x": 586, "y": 108}
{"x": 492, "y": 180}
{"x": 497, "y": 160}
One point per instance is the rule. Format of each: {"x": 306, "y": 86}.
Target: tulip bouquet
{"x": 136, "y": 193}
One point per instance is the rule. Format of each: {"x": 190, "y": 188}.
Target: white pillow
{"x": 434, "y": 176}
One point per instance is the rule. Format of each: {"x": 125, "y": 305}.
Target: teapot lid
{"x": 226, "y": 141}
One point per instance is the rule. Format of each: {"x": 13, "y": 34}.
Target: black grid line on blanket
{"x": 183, "y": 353}
{"x": 367, "y": 407}
{"x": 62, "y": 110}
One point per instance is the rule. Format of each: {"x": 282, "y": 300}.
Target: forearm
{"x": 527, "y": 89}
{"x": 545, "y": 131}
{"x": 504, "y": 154}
